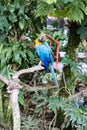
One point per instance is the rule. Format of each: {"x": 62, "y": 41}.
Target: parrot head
{"x": 40, "y": 40}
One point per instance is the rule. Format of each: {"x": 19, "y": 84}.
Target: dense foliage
{"x": 72, "y": 9}
{"x": 19, "y": 18}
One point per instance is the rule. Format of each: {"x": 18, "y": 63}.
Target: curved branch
{"x": 4, "y": 80}
{"x": 57, "y": 49}
{"x": 52, "y": 39}
{"x": 30, "y": 70}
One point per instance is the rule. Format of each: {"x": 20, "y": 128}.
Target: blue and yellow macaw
{"x": 44, "y": 52}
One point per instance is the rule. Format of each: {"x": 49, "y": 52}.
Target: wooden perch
{"x": 57, "y": 48}
{"x": 52, "y": 39}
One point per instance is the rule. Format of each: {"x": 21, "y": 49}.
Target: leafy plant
{"x": 30, "y": 123}
{"x": 14, "y": 54}
{"x": 75, "y": 67}
{"x": 82, "y": 30}
{"x": 40, "y": 100}
{"x": 42, "y": 11}
{"x": 73, "y": 113}
{"x": 21, "y": 98}
{"x": 47, "y": 77}
{"x": 17, "y": 17}
{"x": 71, "y": 9}
{"x": 60, "y": 36}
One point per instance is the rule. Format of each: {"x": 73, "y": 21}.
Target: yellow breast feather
{"x": 37, "y": 43}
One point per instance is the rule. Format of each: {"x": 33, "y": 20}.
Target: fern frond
{"x": 43, "y": 8}
{"x": 76, "y": 10}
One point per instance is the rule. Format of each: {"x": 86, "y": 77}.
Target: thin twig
{"x": 67, "y": 90}
{"x": 30, "y": 89}
{"x": 53, "y": 121}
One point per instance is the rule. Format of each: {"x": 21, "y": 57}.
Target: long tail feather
{"x": 54, "y": 75}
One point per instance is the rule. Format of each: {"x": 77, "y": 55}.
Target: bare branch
{"x": 30, "y": 70}
{"x": 4, "y": 80}
{"x": 37, "y": 88}
{"x": 52, "y": 39}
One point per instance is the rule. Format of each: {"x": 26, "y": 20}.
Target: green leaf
{"x": 4, "y": 72}
{"x": 71, "y": 0}
{"x": 21, "y": 24}
{"x": 21, "y": 98}
{"x": 76, "y": 67}
{"x": 53, "y": 103}
{"x": 43, "y": 9}
{"x": 1, "y": 46}
{"x": 13, "y": 18}
{"x": 3, "y": 62}
{"x": 1, "y": 84}
{"x": 9, "y": 53}
{"x": 84, "y": 21}
{"x": 82, "y": 31}
{"x": 16, "y": 3}
{"x": 50, "y": 1}
{"x": 4, "y": 25}
{"x": 23, "y": 54}
{"x": 66, "y": 60}
{"x": 17, "y": 57}
{"x": 75, "y": 10}
{"x": 1, "y": 8}
{"x": 77, "y": 14}
{"x": 11, "y": 8}
{"x": 82, "y": 6}
{"x": 30, "y": 54}
{"x": 15, "y": 47}
{"x": 65, "y": 1}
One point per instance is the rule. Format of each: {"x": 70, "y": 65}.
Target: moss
{"x": 73, "y": 41}
{"x": 7, "y": 112}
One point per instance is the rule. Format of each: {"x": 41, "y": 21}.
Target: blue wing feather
{"x": 45, "y": 53}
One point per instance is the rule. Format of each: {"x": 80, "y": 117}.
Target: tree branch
{"x": 52, "y": 39}
{"x": 37, "y": 88}
{"x": 4, "y": 80}
{"x": 30, "y": 70}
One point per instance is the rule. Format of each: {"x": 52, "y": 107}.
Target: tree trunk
{"x": 71, "y": 50}
{"x": 15, "y": 109}
{"x": 69, "y": 75}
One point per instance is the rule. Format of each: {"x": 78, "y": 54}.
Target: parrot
{"x": 43, "y": 50}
